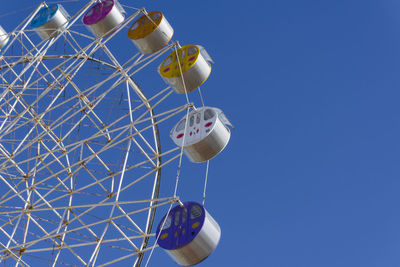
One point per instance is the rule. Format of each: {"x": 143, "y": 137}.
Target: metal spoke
{"x": 80, "y": 150}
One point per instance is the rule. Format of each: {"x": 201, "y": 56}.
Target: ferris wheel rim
{"x": 157, "y": 179}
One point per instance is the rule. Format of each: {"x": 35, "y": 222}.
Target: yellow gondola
{"x": 194, "y": 66}
{"x": 150, "y": 32}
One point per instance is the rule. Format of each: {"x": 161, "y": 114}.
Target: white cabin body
{"x": 4, "y": 37}
{"x": 206, "y": 134}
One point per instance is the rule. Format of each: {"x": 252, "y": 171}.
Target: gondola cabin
{"x": 49, "y": 20}
{"x": 188, "y": 234}
{"x": 104, "y": 17}
{"x": 4, "y": 37}
{"x": 150, "y": 32}
{"x": 206, "y": 133}
{"x": 190, "y": 62}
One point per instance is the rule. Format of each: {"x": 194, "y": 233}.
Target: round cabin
{"x": 206, "y": 134}
{"x": 190, "y": 62}
{"x": 150, "y": 32}
{"x": 49, "y": 20}
{"x": 104, "y": 17}
{"x": 4, "y": 37}
{"x": 188, "y": 234}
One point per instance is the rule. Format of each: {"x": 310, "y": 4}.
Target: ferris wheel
{"x": 80, "y": 140}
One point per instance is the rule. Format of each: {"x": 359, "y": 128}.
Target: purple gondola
{"x": 104, "y": 17}
{"x": 188, "y": 234}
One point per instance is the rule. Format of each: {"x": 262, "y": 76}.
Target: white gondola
{"x": 4, "y": 37}
{"x": 186, "y": 68}
{"x": 150, "y": 32}
{"x": 104, "y": 17}
{"x": 49, "y": 21}
{"x": 206, "y": 133}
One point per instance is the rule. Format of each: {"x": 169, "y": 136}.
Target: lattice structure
{"x": 80, "y": 155}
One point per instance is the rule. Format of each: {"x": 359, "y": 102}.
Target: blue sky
{"x": 311, "y": 174}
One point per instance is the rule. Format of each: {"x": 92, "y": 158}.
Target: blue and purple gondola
{"x": 188, "y": 234}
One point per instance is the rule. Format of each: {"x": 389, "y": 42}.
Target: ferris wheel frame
{"x": 38, "y": 55}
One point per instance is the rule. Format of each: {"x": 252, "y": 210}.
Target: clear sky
{"x": 311, "y": 175}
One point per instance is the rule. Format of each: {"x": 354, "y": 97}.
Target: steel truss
{"x": 80, "y": 153}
